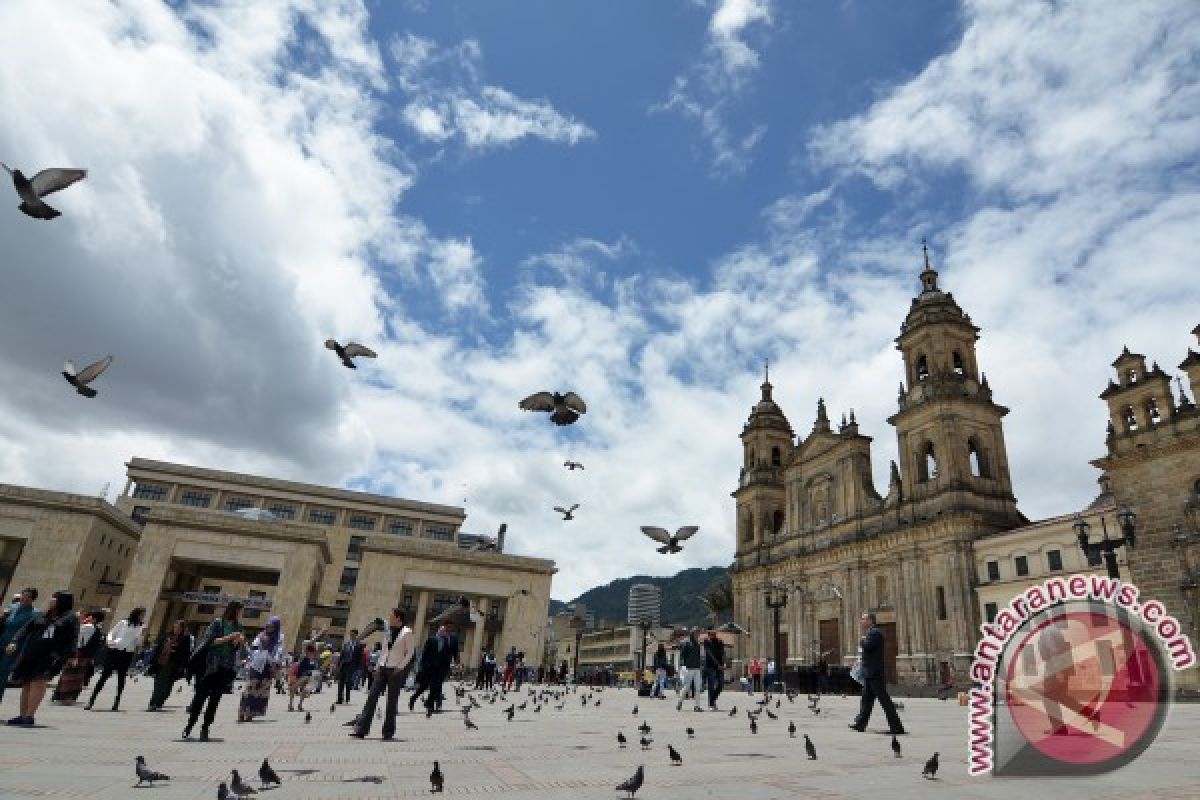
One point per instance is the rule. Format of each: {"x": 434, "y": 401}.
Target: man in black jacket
{"x": 349, "y": 662}
{"x": 874, "y": 678}
{"x": 714, "y": 667}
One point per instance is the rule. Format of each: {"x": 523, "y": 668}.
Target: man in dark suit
{"x": 874, "y": 678}
{"x": 428, "y": 662}
{"x": 349, "y": 662}
{"x": 447, "y": 656}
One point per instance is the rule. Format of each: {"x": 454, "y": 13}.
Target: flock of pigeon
{"x": 564, "y": 409}
{"x": 544, "y": 699}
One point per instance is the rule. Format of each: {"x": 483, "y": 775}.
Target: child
{"x": 300, "y": 675}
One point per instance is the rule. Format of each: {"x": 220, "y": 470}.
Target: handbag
{"x": 859, "y": 673}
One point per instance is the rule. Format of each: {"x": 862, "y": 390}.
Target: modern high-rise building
{"x": 645, "y": 604}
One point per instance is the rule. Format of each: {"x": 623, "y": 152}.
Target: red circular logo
{"x": 1083, "y": 688}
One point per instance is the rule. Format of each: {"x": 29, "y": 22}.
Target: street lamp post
{"x": 644, "y": 624}
{"x": 776, "y": 597}
{"x": 1108, "y": 547}
{"x": 577, "y": 623}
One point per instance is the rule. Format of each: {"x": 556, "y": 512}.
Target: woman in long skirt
{"x": 260, "y": 671}
{"x": 168, "y": 663}
{"x": 75, "y": 672}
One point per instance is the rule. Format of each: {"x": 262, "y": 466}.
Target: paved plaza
{"x": 571, "y": 753}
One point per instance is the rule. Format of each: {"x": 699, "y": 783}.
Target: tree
{"x": 718, "y": 599}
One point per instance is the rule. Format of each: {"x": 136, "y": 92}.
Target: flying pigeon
{"x": 436, "y": 779}
{"x": 620, "y": 740}
{"x": 45, "y": 182}
{"x": 644, "y": 727}
{"x": 634, "y": 783}
{"x": 895, "y": 746}
{"x": 792, "y": 729}
{"x": 267, "y": 775}
{"x": 348, "y": 353}
{"x": 810, "y": 748}
{"x": 80, "y": 379}
{"x": 670, "y": 544}
{"x": 931, "y": 767}
{"x": 146, "y": 774}
{"x": 676, "y": 759}
{"x": 564, "y": 408}
{"x": 239, "y": 788}
{"x": 572, "y": 465}
{"x": 568, "y": 513}
{"x": 646, "y": 743}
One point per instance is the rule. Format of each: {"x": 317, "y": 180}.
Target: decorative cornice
{"x": 450, "y": 552}
{"x": 70, "y": 503}
{"x": 224, "y": 522}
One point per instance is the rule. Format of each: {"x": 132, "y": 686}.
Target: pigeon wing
{"x": 574, "y": 402}
{"x": 560, "y": 509}
{"x": 572, "y": 508}
{"x": 657, "y": 534}
{"x": 686, "y": 532}
{"x": 69, "y": 368}
{"x": 49, "y": 181}
{"x": 539, "y": 401}
{"x": 354, "y": 349}
{"x": 92, "y": 371}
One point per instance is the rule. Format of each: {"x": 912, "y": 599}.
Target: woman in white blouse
{"x": 124, "y": 641}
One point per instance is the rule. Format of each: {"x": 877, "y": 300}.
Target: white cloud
{"x": 460, "y": 104}
{"x": 728, "y": 22}
{"x": 455, "y": 268}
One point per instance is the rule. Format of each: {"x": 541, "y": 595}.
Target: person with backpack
{"x": 41, "y": 648}
{"x": 76, "y": 671}
{"x": 123, "y": 642}
{"x": 168, "y": 662}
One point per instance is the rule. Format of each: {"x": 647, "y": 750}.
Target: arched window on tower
{"x": 959, "y": 367}
{"x": 1130, "y": 419}
{"x": 750, "y": 458}
{"x": 748, "y": 527}
{"x": 776, "y": 459}
{"x": 927, "y": 468}
{"x": 922, "y": 367}
{"x": 1152, "y": 411}
{"x": 975, "y": 454}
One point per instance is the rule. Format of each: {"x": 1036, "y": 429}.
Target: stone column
{"x": 418, "y": 624}
{"x": 149, "y": 570}
{"x": 300, "y": 575}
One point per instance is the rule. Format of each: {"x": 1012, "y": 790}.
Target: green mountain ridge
{"x": 680, "y": 596}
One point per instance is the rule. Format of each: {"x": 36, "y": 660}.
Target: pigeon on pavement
{"x": 620, "y": 740}
{"x": 931, "y": 767}
{"x": 691, "y": 732}
{"x": 32, "y": 190}
{"x": 676, "y": 759}
{"x": 146, "y": 774}
{"x": 895, "y": 746}
{"x": 810, "y": 748}
{"x": 670, "y": 544}
{"x": 239, "y": 788}
{"x": 436, "y": 779}
{"x": 223, "y": 792}
{"x": 267, "y": 775}
{"x": 634, "y": 783}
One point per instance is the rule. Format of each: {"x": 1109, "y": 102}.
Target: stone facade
{"x": 1153, "y": 461}
{"x": 319, "y": 557}
{"x": 808, "y": 515}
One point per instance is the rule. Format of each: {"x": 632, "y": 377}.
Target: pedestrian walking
{"x": 874, "y": 679}
{"x": 15, "y": 617}
{"x": 822, "y": 675}
{"x": 714, "y": 667}
{"x": 79, "y": 666}
{"x": 428, "y": 663}
{"x": 168, "y": 662}
{"x": 123, "y": 643}
{"x": 215, "y": 667}
{"x": 489, "y": 669}
{"x": 301, "y": 676}
{"x": 510, "y": 667}
{"x": 264, "y": 660}
{"x": 691, "y": 670}
{"x": 350, "y": 660}
{"x": 390, "y": 676}
{"x": 447, "y": 657}
{"x": 44, "y": 644}
{"x": 661, "y": 663}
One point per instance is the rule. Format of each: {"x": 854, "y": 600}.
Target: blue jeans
{"x": 714, "y": 681}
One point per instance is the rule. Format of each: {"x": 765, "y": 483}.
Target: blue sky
{"x": 639, "y": 201}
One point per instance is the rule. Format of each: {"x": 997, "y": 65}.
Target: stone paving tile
{"x": 552, "y": 754}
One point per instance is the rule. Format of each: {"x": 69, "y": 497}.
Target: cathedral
{"x": 810, "y": 522}
{"x": 810, "y": 518}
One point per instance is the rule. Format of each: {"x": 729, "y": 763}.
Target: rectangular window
{"x": 400, "y": 527}
{"x": 990, "y": 611}
{"x": 941, "y": 603}
{"x": 1022, "y": 564}
{"x": 1054, "y": 560}
{"x": 282, "y": 510}
{"x": 362, "y": 522}
{"x": 139, "y": 514}
{"x": 442, "y": 533}
{"x": 205, "y": 609}
{"x": 354, "y": 551}
{"x": 993, "y": 568}
{"x": 254, "y": 613}
{"x": 321, "y": 516}
{"x": 407, "y": 604}
{"x": 440, "y": 603}
{"x": 197, "y": 499}
{"x": 148, "y": 491}
{"x": 238, "y": 503}
{"x": 349, "y": 579}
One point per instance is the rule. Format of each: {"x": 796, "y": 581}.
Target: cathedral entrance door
{"x": 890, "y": 649}
{"x": 831, "y": 640}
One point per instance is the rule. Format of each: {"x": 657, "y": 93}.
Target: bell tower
{"x": 951, "y": 438}
{"x": 766, "y": 450}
